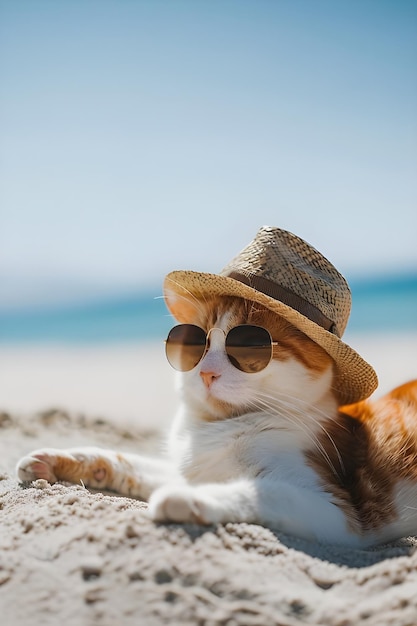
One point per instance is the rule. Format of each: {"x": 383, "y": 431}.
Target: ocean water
{"x": 381, "y": 304}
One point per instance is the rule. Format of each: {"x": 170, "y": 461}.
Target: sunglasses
{"x": 249, "y": 348}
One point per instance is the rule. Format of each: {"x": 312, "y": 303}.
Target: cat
{"x": 272, "y": 447}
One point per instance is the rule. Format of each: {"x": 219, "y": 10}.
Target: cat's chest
{"x": 231, "y": 450}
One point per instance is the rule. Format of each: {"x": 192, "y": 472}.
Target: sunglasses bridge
{"x": 208, "y": 335}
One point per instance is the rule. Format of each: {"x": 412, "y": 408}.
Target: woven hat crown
{"x": 289, "y": 269}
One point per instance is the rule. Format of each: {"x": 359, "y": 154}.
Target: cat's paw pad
{"x": 39, "y": 464}
{"x": 182, "y": 504}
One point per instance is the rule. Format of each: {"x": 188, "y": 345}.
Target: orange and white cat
{"x": 271, "y": 446}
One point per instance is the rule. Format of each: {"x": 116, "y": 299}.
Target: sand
{"x": 75, "y": 557}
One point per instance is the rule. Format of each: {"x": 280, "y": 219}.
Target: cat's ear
{"x": 182, "y": 308}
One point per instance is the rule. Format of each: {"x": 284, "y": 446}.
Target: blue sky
{"x": 138, "y": 137}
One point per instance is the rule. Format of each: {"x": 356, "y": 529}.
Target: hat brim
{"x": 355, "y": 378}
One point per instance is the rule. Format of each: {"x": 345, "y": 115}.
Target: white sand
{"x": 69, "y": 556}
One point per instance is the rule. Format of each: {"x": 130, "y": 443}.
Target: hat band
{"x": 286, "y": 296}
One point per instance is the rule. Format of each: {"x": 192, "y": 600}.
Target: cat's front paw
{"x": 70, "y": 465}
{"x": 183, "y": 504}
{"x": 39, "y": 464}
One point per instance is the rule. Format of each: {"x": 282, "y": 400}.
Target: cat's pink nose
{"x": 209, "y": 378}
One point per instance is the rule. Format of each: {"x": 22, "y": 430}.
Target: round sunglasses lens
{"x": 249, "y": 348}
{"x": 185, "y": 346}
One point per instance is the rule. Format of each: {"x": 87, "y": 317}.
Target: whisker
{"x": 314, "y": 439}
{"x": 319, "y": 412}
{"x": 289, "y": 411}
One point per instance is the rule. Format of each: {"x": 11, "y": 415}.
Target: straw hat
{"x": 288, "y": 276}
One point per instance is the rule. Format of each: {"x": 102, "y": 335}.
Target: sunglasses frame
{"x": 232, "y": 359}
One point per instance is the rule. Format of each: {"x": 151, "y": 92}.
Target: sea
{"x": 379, "y": 304}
